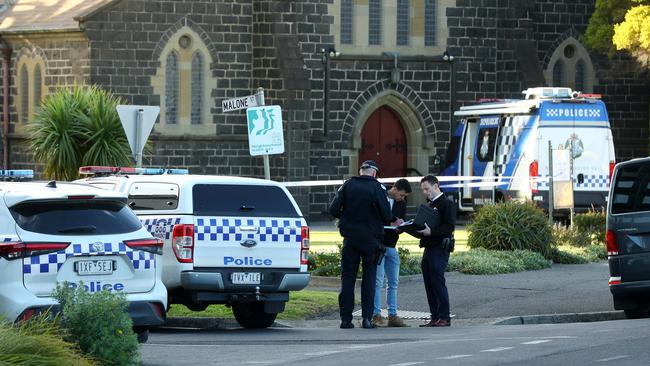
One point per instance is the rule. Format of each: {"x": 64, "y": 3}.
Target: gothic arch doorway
{"x": 383, "y": 139}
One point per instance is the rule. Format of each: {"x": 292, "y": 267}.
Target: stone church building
{"x": 356, "y": 79}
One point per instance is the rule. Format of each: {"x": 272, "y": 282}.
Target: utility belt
{"x": 448, "y": 244}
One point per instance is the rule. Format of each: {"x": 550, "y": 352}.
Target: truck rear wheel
{"x": 251, "y": 315}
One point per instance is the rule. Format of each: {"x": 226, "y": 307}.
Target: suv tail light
{"x": 17, "y": 249}
{"x": 153, "y": 245}
{"x": 304, "y": 245}
{"x": 612, "y": 246}
{"x": 183, "y": 243}
{"x": 612, "y": 164}
{"x": 533, "y": 172}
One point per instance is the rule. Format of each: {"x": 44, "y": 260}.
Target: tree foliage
{"x": 633, "y": 34}
{"x": 620, "y": 25}
{"x": 78, "y": 126}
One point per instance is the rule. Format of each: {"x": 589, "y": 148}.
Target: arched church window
{"x": 197, "y": 88}
{"x": 171, "y": 88}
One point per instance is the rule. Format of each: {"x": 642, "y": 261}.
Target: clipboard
{"x": 424, "y": 214}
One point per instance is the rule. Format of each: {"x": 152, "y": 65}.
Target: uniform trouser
{"x": 353, "y": 252}
{"x": 434, "y": 263}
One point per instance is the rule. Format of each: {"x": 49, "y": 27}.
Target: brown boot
{"x": 396, "y": 321}
{"x": 379, "y": 320}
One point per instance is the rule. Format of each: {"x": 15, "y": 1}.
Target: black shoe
{"x": 345, "y": 324}
{"x": 368, "y": 324}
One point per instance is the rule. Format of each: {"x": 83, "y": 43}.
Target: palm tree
{"x": 78, "y": 126}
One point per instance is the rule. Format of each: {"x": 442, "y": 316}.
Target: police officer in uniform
{"x": 436, "y": 242}
{"x": 362, "y": 208}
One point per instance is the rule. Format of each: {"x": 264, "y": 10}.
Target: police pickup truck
{"x": 237, "y": 241}
{"x": 54, "y": 233}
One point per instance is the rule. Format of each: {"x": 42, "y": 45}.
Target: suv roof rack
{"x": 117, "y": 170}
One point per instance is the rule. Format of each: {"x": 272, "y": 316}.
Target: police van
{"x": 237, "y": 241}
{"x": 54, "y": 233}
{"x": 500, "y": 149}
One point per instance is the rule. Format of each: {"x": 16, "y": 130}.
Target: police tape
{"x": 467, "y": 181}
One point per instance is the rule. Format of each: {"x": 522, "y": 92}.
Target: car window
{"x": 153, "y": 196}
{"x": 241, "y": 200}
{"x": 631, "y": 190}
{"x": 75, "y": 217}
{"x": 485, "y": 145}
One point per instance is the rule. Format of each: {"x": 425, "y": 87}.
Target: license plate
{"x": 96, "y": 267}
{"x": 245, "y": 278}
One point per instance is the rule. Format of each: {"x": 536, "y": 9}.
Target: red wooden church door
{"x": 383, "y": 140}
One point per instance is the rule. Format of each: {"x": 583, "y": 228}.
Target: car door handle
{"x": 248, "y": 228}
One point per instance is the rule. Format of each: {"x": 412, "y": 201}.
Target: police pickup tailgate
{"x": 246, "y": 226}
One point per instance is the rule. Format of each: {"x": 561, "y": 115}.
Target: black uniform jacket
{"x": 362, "y": 207}
{"x": 447, "y": 222}
{"x": 399, "y": 212}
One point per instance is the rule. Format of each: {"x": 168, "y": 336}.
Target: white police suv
{"x": 228, "y": 240}
{"x": 53, "y": 233}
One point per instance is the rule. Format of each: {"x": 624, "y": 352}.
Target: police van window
{"x": 75, "y": 217}
{"x": 485, "y": 145}
{"x": 632, "y": 189}
{"x": 241, "y": 200}
{"x": 153, "y": 196}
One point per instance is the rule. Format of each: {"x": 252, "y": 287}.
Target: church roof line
{"x": 38, "y": 16}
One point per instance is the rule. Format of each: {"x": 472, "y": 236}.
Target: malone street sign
{"x": 234, "y": 104}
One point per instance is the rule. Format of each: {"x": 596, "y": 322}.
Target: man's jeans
{"x": 389, "y": 266}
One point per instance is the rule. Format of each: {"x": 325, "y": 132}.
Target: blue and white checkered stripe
{"x": 268, "y": 230}
{"x": 52, "y": 262}
{"x": 591, "y": 181}
{"x": 161, "y": 227}
{"x": 507, "y": 139}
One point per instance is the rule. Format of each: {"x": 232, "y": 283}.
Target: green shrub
{"x": 99, "y": 324}
{"x": 511, "y": 225}
{"x": 571, "y": 235}
{"x": 38, "y": 342}
{"x": 565, "y": 257}
{"x": 325, "y": 263}
{"x": 481, "y": 261}
{"x": 596, "y": 251}
{"x": 591, "y": 223}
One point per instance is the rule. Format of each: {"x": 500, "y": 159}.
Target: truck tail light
{"x": 183, "y": 243}
{"x": 612, "y": 246}
{"x": 612, "y": 164}
{"x": 304, "y": 245}
{"x": 18, "y": 249}
{"x": 153, "y": 245}
{"x": 533, "y": 172}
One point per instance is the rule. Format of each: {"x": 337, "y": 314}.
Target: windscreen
{"x": 241, "y": 200}
{"x": 631, "y": 189}
{"x": 75, "y": 217}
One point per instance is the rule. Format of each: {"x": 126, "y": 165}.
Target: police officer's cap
{"x": 370, "y": 164}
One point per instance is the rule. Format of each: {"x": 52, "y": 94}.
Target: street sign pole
{"x": 550, "y": 183}
{"x": 138, "y": 126}
{"x": 267, "y": 164}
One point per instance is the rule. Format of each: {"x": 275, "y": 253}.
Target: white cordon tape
{"x": 470, "y": 181}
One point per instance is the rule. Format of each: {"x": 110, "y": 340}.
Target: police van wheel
{"x": 143, "y": 335}
{"x": 251, "y": 315}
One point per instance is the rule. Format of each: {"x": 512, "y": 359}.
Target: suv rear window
{"x": 241, "y": 200}
{"x": 75, "y": 217}
{"x": 631, "y": 189}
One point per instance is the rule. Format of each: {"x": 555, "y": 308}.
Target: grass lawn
{"x": 323, "y": 241}
{"x": 301, "y": 305}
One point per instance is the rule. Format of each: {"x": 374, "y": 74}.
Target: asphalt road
{"x": 560, "y": 289}
{"x": 602, "y": 343}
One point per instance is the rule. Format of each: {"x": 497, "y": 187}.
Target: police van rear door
{"x": 99, "y": 242}
{"x": 246, "y": 226}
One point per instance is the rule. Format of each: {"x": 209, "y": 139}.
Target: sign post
{"x": 265, "y": 135}
{"x": 137, "y": 121}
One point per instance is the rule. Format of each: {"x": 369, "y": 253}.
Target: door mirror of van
{"x": 581, "y": 178}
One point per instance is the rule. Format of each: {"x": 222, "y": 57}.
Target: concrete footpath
{"x": 560, "y": 294}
